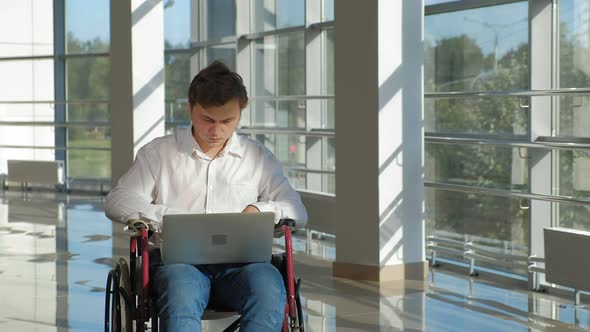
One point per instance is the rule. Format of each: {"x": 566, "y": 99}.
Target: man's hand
{"x": 136, "y": 224}
{"x": 251, "y": 209}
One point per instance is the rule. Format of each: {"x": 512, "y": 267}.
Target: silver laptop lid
{"x": 217, "y": 238}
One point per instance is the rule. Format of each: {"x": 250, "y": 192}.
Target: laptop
{"x": 217, "y": 238}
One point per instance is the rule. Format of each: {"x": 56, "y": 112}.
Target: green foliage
{"x": 461, "y": 65}
{"x": 88, "y": 80}
{"x": 570, "y": 76}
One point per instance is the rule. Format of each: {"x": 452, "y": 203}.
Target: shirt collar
{"x": 189, "y": 145}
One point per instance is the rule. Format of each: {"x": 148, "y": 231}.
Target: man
{"x": 209, "y": 169}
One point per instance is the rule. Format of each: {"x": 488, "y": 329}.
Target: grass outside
{"x": 89, "y": 163}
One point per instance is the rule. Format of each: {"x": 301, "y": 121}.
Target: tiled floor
{"x": 55, "y": 253}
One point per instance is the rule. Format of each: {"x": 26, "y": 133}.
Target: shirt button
{"x": 211, "y": 187}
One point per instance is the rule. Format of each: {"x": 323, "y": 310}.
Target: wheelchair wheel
{"x": 112, "y": 318}
{"x": 126, "y": 299}
{"x": 298, "y": 304}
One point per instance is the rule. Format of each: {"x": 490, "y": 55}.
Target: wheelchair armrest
{"x": 137, "y": 227}
{"x": 286, "y": 222}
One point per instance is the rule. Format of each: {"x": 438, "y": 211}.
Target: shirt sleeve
{"x": 277, "y": 195}
{"x": 134, "y": 193}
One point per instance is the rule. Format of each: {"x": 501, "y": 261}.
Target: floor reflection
{"x": 55, "y": 252}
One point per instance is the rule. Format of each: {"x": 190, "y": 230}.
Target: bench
{"x": 35, "y": 172}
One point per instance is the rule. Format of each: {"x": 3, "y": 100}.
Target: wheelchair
{"x": 130, "y": 307}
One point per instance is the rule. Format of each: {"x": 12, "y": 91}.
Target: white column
{"x": 540, "y": 160}
{"x": 313, "y": 87}
{"x": 137, "y": 71}
{"x": 379, "y": 123}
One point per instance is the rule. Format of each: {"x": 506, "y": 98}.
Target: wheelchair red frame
{"x": 129, "y": 306}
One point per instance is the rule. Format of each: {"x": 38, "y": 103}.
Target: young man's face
{"x": 214, "y": 125}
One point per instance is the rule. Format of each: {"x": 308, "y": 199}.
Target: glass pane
{"x": 320, "y": 114}
{"x": 177, "y": 24}
{"x": 225, "y": 53}
{"x": 282, "y": 114}
{"x": 477, "y": 165}
{"x": 26, "y": 80}
{"x": 503, "y": 116}
{"x": 574, "y": 44}
{"x": 498, "y": 223}
{"x": 27, "y": 112}
{"x": 330, "y": 157}
{"x": 297, "y": 179}
{"x": 177, "y": 75}
{"x": 87, "y": 26}
{"x": 176, "y": 115}
{"x": 264, "y": 75}
{"x": 328, "y": 10}
{"x": 27, "y": 28}
{"x": 477, "y": 49}
{"x": 90, "y": 111}
{"x": 329, "y": 62}
{"x": 88, "y": 78}
{"x": 291, "y": 66}
{"x": 280, "y": 14}
{"x": 27, "y": 136}
{"x": 434, "y": 2}
{"x": 289, "y": 149}
{"x": 574, "y": 116}
{"x": 287, "y": 54}
{"x": 221, "y": 19}
{"x": 89, "y": 163}
{"x": 574, "y": 167}
{"x": 574, "y": 216}
{"x": 290, "y": 13}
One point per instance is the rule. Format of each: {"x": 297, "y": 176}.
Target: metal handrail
{"x": 213, "y": 42}
{"x": 495, "y": 253}
{"x": 291, "y": 97}
{"x": 458, "y": 139}
{"x": 564, "y": 142}
{"x": 513, "y": 93}
{"x": 459, "y": 5}
{"x": 82, "y": 124}
{"x": 506, "y": 193}
{"x": 321, "y": 25}
{"x": 55, "y": 102}
{"x": 59, "y": 148}
{"x": 262, "y": 34}
{"x": 542, "y": 142}
{"x": 53, "y": 56}
{"x": 309, "y": 170}
{"x": 287, "y": 131}
{"x": 445, "y": 241}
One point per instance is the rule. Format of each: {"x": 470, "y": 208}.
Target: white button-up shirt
{"x": 173, "y": 175}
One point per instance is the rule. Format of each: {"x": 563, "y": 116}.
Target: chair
{"x": 128, "y": 303}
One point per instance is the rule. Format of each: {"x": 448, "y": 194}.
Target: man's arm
{"x": 277, "y": 195}
{"x": 135, "y": 191}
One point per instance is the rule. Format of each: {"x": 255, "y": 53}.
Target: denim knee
{"x": 181, "y": 290}
{"x": 266, "y": 296}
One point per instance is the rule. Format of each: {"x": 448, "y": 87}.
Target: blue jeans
{"x": 183, "y": 292}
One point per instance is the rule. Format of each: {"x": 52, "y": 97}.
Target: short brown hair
{"x": 215, "y": 85}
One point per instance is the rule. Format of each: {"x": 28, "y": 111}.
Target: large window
{"x": 55, "y": 104}
{"x": 503, "y": 139}
{"x": 87, "y": 89}
{"x": 27, "y": 84}
{"x": 485, "y": 50}
{"x": 271, "y": 48}
{"x": 574, "y": 111}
